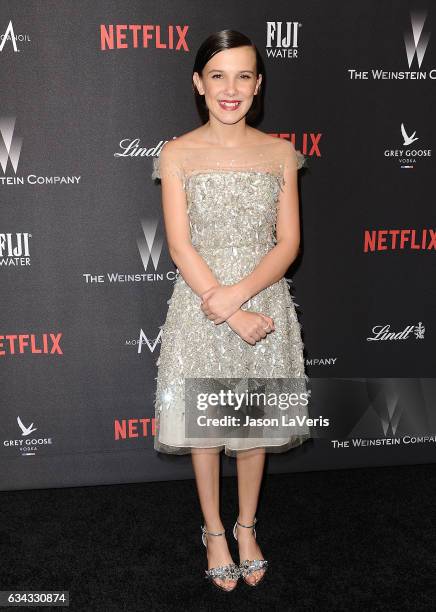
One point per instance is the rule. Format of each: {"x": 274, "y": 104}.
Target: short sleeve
{"x": 168, "y": 163}
{"x": 301, "y": 159}
{"x": 294, "y": 158}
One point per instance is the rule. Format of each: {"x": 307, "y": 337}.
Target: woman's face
{"x": 230, "y": 76}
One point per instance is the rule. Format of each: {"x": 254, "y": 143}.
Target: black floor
{"x": 337, "y": 540}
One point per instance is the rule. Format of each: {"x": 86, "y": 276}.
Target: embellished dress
{"x": 232, "y": 199}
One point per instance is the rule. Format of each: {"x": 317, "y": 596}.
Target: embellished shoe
{"x": 223, "y": 572}
{"x": 247, "y": 567}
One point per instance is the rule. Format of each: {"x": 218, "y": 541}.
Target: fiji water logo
{"x": 282, "y": 39}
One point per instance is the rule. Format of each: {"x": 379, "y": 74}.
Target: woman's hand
{"x": 220, "y": 302}
{"x": 251, "y": 326}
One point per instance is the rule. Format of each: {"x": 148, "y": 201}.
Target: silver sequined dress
{"x": 232, "y": 198}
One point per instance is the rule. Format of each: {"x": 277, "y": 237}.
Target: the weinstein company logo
{"x": 27, "y": 444}
{"x": 14, "y": 249}
{"x": 390, "y": 416}
{"x": 150, "y": 248}
{"x": 145, "y": 36}
{"x": 416, "y": 39}
{"x": 10, "y": 144}
{"x": 149, "y": 244}
{"x": 12, "y": 38}
{"x": 407, "y": 155}
{"x": 10, "y": 150}
{"x": 282, "y": 39}
{"x": 383, "y": 333}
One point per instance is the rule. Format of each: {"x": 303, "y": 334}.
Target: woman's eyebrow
{"x": 219, "y": 70}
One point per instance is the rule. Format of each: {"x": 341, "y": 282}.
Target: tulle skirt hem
{"x": 231, "y": 450}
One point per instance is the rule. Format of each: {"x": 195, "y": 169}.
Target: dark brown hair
{"x": 219, "y": 41}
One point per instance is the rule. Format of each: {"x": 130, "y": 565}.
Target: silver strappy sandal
{"x": 247, "y": 567}
{"x": 223, "y": 572}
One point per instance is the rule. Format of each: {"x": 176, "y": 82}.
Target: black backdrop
{"x": 85, "y": 272}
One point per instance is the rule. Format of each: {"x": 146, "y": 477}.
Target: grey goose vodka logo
{"x": 407, "y": 140}
{"x": 407, "y": 154}
{"x": 416, "y": 39}
{"x": 25, "y": 431}
{"x": 28, "y": 443}
{"x": 10, "y": 155}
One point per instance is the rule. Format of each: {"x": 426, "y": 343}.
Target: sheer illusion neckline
{"x": 213, "y": 147}
{"x": 260, "y": 159}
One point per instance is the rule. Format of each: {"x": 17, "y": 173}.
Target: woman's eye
{"x": 244, "y": 76}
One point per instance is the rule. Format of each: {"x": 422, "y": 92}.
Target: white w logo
{"x": 149, "y": 245}
{"x": 417, "y": 40}
{"x": 10, "y": 146}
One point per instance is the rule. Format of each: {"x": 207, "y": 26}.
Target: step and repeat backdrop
{"x": 90, "y": 92}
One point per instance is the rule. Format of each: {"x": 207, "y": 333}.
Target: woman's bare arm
{"x": 273, "y": 266}
{"x": 191, "y": 265}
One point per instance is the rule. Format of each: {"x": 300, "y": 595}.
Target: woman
{"x": 230, "y": 206}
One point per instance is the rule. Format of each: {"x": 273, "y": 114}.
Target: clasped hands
{"x": 223, "y": 303}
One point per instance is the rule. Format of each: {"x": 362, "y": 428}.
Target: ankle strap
{"x": 247, "y": 526}
{"x": 218, "y": 533}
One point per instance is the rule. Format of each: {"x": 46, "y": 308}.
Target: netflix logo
{"x": 35, "y": 344}
{"x": 145, "y": 36}
{"x": 134, "y": 428}
{"x": 307, "y": 143}
{"x": 399, "y": 240}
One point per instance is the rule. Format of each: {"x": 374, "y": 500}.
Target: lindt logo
{"x": 145, "y": 36}
{"x": 384, "y": 333}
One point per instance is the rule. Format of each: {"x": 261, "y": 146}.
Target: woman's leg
{"x": 206, "y": 463}
{"x": 250, "y": 465}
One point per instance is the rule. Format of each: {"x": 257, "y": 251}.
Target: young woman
{"x": 231, "y": 214}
